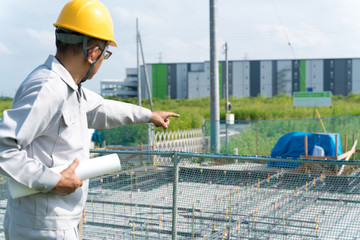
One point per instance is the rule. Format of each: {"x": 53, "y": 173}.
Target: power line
{"x": 283, "y": 28}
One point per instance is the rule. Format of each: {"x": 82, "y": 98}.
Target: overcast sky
{"x": 178, "y": 31}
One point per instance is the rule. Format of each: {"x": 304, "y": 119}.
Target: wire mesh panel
{"x": 226, "y": 197}
{"x": 133, "y": 204}
{"x": 124, "y": 207}
{"x": 248, "y": 200}
{"x": 187, "y": 195}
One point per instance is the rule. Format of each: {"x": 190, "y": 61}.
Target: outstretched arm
{"x": 69, "y": 182}
{"x": 161, "y": 118}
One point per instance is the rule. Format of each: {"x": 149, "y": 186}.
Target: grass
{"x": 194, "y": 112}
{"x": 261, "y": 136}
{"x": 5, "y": 103}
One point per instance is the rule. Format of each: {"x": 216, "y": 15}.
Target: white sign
{"x": 312, "y": 99}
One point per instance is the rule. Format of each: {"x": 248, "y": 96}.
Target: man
{"x": 48, "y": 126}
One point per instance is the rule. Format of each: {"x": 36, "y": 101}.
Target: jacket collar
{"x": 53, "y": 64}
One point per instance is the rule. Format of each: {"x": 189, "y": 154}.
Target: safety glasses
{"x": 105, "y": 52}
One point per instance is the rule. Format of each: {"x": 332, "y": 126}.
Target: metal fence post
{"x": 151, "y": 136}
{"x": 176, "y": 161}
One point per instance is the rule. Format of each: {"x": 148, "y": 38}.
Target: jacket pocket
{"x": 69, "y": 117}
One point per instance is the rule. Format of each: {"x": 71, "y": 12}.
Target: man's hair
{"x": 72, "y": 42}
{"x": 65, "y": 47}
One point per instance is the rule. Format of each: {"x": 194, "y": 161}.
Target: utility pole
{"x": 226, "y": 79}
{"x": 145, "y": 70}
{"x": 226, "y": 95}
{"x": 138, "y": 63}
{"x": 214, "y": 84}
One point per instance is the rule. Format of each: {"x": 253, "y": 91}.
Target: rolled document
{"x": 86, "y": 169}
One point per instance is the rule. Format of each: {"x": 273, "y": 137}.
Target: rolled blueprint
{"x": 86, "y": 169}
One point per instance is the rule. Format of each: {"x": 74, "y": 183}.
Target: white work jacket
{"x": 47, "y": 127}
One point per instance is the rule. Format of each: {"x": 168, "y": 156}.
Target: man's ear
{"x": 92, "y": 55}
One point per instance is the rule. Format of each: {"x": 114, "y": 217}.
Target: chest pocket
{"x": 70, "y": 116}
{"x": 71, "y": 127}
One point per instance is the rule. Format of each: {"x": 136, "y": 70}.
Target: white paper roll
{"x": 90, "y": 168}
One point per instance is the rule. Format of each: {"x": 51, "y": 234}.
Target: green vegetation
{"x": 258, "y": 114}
{"x": 126, "y": 136}
{"x": 193, "y": 112}
{"x": 5, "y": 103}
{"x": 259, "y": 137}
{"x": 252, "y": 108}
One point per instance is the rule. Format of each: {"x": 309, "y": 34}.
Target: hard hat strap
{"x": 68, "y": 36}
{"x": 89, "y": 72}
{"x": 85, "y": 52}
{"x": 84, "y": 45}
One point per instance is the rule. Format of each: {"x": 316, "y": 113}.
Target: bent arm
{"x": 19, "y": 127}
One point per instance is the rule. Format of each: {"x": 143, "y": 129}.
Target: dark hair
{"x": 65, "y": 47}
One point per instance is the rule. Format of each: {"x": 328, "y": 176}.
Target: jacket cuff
{"x": 50, "y": 177}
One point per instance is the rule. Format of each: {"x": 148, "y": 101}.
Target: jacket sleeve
{"x": 31, "y": 113}
{"x": 103, "y": 113}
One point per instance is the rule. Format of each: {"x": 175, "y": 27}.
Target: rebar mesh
{"x": 225, "y": 197}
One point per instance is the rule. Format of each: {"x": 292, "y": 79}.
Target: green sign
{"x": 312, "y": 99}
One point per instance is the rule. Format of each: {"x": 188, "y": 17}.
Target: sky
{"x": 178, "y": 31}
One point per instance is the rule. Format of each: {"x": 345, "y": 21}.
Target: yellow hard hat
{"x": 89, "y": 17}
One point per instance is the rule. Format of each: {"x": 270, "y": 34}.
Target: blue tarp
{"x": 291, "y": 145}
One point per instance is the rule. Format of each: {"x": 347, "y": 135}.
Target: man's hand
{"x": 161, "y": 119}
{"x": 69, "y": 182}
